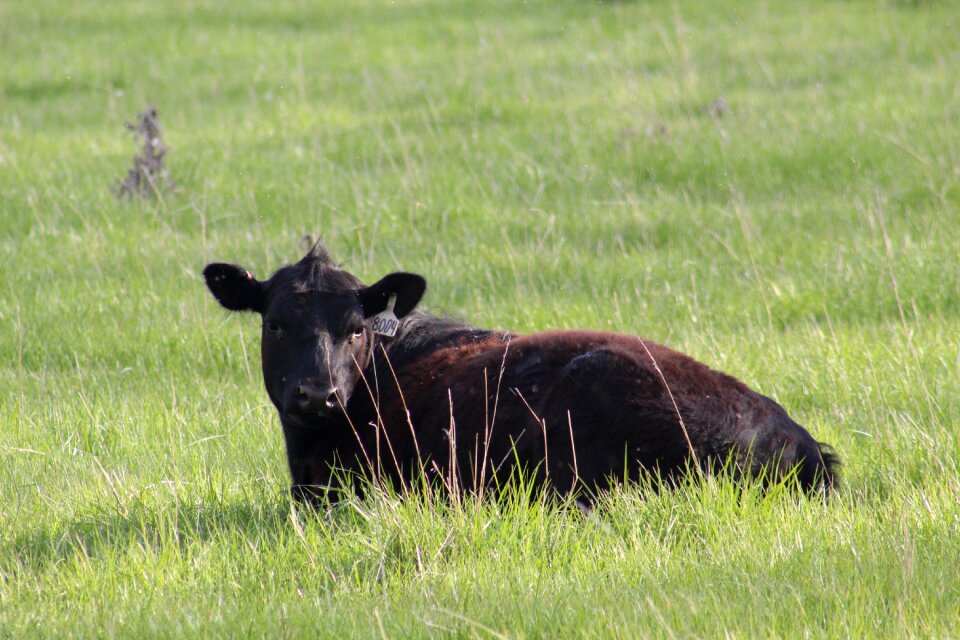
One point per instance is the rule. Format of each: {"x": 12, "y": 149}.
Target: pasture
{"x": 771, "y": 187}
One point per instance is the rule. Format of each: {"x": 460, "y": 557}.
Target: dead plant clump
{"x": 148, "y": 175}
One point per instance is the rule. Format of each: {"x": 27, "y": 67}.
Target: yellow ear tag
{"x": 385, "y": 323}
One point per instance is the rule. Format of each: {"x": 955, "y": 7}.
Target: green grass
{"x": 544, "y": 164}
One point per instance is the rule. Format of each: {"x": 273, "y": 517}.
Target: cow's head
{"x": 317, "y": 333}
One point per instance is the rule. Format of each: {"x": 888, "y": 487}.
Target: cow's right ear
{"x": 234, "y": 287}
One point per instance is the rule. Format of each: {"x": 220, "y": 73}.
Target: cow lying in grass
{"x": 367, "y": 386}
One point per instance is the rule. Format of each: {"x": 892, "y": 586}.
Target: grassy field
{"x": 772, "y": 187}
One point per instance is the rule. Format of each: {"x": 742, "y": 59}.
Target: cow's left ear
{"x": 234, "y": 287}
{"x": 408, "y": 287}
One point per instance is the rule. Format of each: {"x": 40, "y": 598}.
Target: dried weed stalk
{"x": 148, "y": 175}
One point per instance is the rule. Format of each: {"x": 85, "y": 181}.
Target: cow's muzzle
{"x": 315, "y": 397}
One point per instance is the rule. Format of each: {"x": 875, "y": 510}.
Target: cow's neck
{"x": 421, "y": 334}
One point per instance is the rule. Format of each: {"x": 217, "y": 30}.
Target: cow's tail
{"x": 820, "y": 468}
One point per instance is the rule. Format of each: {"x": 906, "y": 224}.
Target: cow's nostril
{"x": 332, "y": 399}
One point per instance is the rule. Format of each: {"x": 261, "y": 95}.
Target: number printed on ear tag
{"x": 385, "y": 323}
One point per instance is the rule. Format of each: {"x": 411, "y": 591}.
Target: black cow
{"x": 366, "y": 385}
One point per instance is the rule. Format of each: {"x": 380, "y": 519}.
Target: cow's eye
{"x": 357, "y": 334}
{"x": 273, "y": 327}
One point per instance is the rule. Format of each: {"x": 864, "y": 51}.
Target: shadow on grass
{"x": 108, "y": 529}
{"x": 394, "y": 524}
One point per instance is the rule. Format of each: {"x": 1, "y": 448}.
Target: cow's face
{"x": 317, "y": 336}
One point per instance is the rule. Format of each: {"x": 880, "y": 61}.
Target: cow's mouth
{"x": 312, "y": 420}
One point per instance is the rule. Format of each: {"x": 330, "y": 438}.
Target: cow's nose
{"x": 314, "y": 397}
